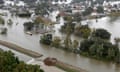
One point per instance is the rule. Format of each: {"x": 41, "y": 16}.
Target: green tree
{"x": 101, "y": 33}
{"x": 56, "y": 42}
{"x": 100, "y": 9}
{"x": 99, "y": 50}
{"x": 28, "y": 26}
{"x": 83, "y": 31}
{"x": 77, "y": 17}
{"x": 68, "y": 28}
{"x": 42, "y": 9}
{"x": 46, "y": 39}
{"x": 117, "y": 58}
{"x": 92, "y": 49}
{"x": 67, "y": 42}
{"x": 111, "y": 53}
{"x": 87, "y": 11}
{"x": 10, "y": 63}
{"x": 68, "y": 18}
{"x": 75, "y": 44}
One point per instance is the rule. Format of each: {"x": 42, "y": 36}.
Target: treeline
{"x": 98, "y": 46}
{"x": 95, "y": 42}
{"x": 10, "y": 63}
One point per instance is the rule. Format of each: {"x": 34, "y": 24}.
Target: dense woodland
{"x": 10, "y": 63}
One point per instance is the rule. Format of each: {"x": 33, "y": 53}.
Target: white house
{"x": 62, "y": 2}
{"x": 12, "y": 3}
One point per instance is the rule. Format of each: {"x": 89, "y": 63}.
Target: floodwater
{"x": 16, "y": 35}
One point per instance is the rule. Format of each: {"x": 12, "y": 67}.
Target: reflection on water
{"x": 16, "y": 35}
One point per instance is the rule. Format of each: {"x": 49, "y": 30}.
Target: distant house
{"x": 14, "y": 2}
{"x": 78, "y": 10}
{"x": 95, "y": 14}
{"x": 111, "y": 6}
{"x": 42, "y": 23}
{"x": 29, "y": 1}
{"x": 20, "y": 3}
{"x": 1, "y": 3}
{"x": 7, "y": 3}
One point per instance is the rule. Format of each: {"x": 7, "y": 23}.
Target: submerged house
{"x": 38, "y": 25}
{"x": 42, "y": 24}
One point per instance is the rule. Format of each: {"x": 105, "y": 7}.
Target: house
{"x": 79, "y": 9}
{"x": 1, "y": 3}
{"x": 9, "y": 3}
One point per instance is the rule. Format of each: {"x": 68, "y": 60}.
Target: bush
{"x": 46, "y": 39}
{"x": 83, "y": 31}
{"x": 28, "y": 26}
{"x": 68, "y": 28}
{"x": 10, "y": 63}
{"x": 99, "y": 49}
{"x": 101, "y": 33}
{"x": 56, "y": 42}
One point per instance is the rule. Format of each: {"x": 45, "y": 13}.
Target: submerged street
{"x": 17, "y": 36}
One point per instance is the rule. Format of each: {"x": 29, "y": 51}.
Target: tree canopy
{"x": 10, "y": 63}
{"x": 102, "y": 33}
{"x": 46, "y": 39}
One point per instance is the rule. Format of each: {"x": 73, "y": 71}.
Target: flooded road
{"x": 17, "y": 36}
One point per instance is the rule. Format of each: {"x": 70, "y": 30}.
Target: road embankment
{"x": 68, "y": 68}
{"x": 20, "y": 49}
{"x": 59, "y": 64}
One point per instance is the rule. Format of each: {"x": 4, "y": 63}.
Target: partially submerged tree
{"x": 56, "y": 42}
{"x": 83, "y": 31}
{"x": 28, "y": 26}
{"x": 46, "y": 39}
{"x": 100, "y": 49}
{"x": 67, "y": 43}
{"x": 101, "y": 33}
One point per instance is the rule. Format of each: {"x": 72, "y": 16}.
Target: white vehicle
{"x": 29, "y": 33}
